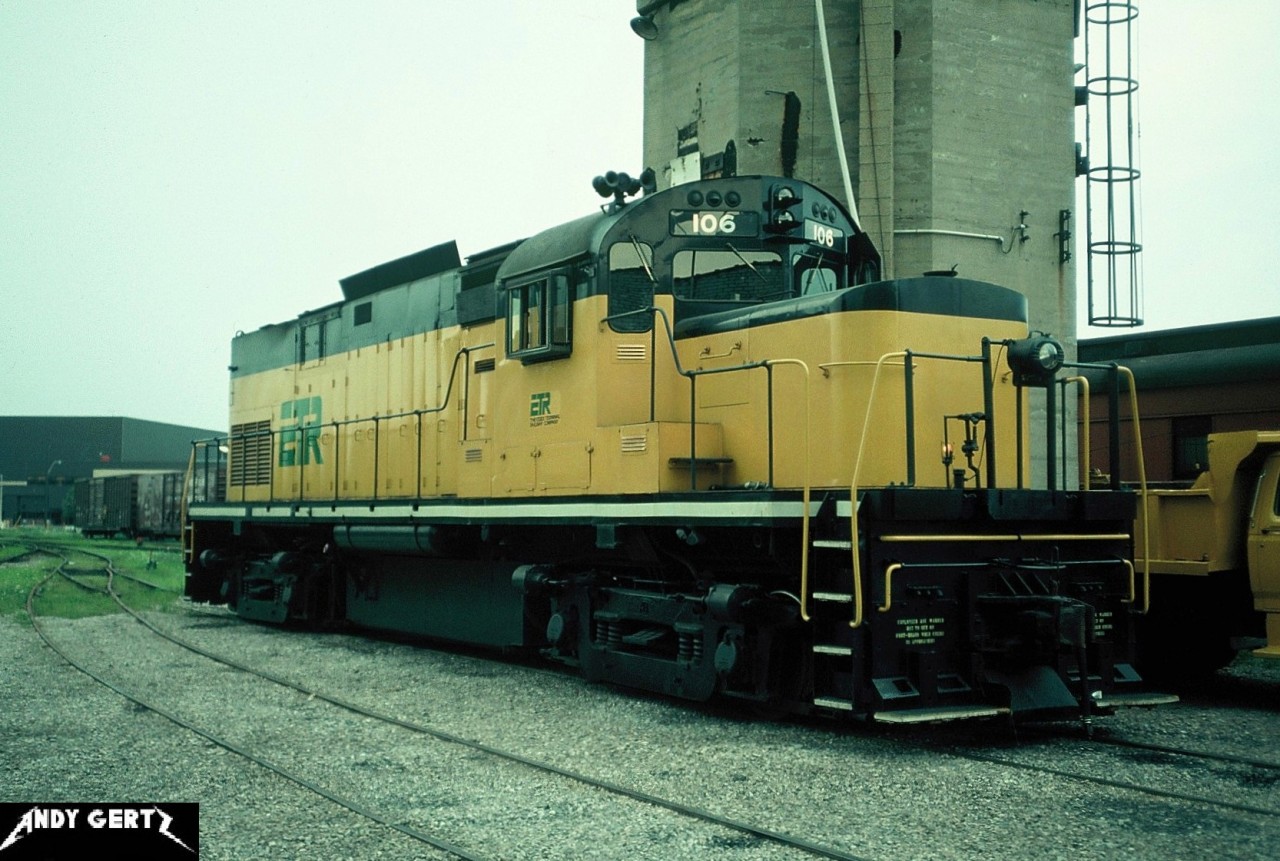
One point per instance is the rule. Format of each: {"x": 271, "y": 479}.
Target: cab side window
{"x": 539, "y": 314}
{"x": 817, "y": 272}
{"x": 631, "y": 283}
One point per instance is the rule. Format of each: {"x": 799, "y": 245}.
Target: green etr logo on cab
{"x": 541, "y": 409}
{"x": 300, "y": 432}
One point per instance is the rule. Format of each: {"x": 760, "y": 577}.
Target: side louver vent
{"x": 635, "y": 444}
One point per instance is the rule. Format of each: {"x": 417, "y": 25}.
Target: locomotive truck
{"x": 691, "y": 443}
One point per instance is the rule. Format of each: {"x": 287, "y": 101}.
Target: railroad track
{"x": 1068, "y": 758}
{"x": 686, "y": 811}
{"x": 1041, "y": 749}
{"x": 1183, "y": 776}
{"x": 1126, "y": 743}
{"x": 221, "y": 742}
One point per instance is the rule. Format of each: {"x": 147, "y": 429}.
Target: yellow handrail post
{"x": 805, "y": 492}
{"x": 1142, "y": 485}
{"x": 1083, "y": 382}
{"x": 888, "y": 586}
{"x": 856, "y": 621}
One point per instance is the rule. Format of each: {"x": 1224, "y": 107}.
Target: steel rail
{"x": 231, "y": 747}
{"x": 1107, "y": 740}
{"x": 685, "y": 810}
{"x": 1118, "y": 784}
{"x": 688, "y": 811}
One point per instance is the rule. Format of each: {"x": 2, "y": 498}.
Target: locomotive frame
{"x": 675, "y": 444}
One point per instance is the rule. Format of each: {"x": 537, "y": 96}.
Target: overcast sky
{"x": 173, "y": 171}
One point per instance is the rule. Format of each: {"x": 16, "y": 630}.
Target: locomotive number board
{"x": 685, "y": 222}
{"x": 824, "y": 235}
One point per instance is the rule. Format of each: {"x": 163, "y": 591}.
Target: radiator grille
{"x": 632, "y": 353}
{"x": 251, "y": 453}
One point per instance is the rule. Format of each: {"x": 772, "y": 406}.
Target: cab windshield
{"x": 729, "y": 276}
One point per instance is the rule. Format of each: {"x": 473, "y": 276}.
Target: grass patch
{"x": 160, "y": 564}
{"x": 62, "y": 598}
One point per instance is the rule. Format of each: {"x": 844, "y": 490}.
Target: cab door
{"x": 1264, "y": 549}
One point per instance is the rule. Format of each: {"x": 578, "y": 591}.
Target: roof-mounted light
{"x": 1035, "y": 360}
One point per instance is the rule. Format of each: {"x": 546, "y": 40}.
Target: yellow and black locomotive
{"x": 689, "y": 444}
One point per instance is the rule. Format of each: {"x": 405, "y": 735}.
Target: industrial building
{"x": 42, "y": 456}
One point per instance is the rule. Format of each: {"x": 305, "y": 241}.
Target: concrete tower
{"x": 957, "y": 119}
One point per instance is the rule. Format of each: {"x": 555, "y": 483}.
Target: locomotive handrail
{"x": 223, "y": 446}
{"x": 653, "y": 347}
{"x": 806, "y": 489}
{"x": 692, "y": 376}
{"x": 337, "y": 425}
{"x": 1142, "y": 482}
{"x": 1083, "y": 383}
{"x": 908, "y": 365}
{"x": 888, "y": 586}
{"x": 856, "y": 621}
{"x": 188, "y": 547}
{"x": 219, "y": 444}
{"x": 909, "y": 425}
{"x": 186, "y": 530}
{"x": 897, "y": 566}
{"x": 1133, "y": 587}
{"x": 826, "y": 367}
{"x": 767, "y": 365}
{"x": 1121, "y": 370}
{"x": 463, "y": 352}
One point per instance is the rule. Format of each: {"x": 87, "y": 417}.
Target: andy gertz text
{"x": 43, "y": 819}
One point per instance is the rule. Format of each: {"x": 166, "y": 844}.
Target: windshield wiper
{"x": 750, "y": 265}
{"x": 635, "y": 243}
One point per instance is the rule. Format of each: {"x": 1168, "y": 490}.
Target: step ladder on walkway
{"x": 832, "y": 609}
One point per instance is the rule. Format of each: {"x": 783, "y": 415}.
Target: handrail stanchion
{"x": 376, "y": 438}
{"x": 989, "y": 410}
{"x": 1083, "y": 383}
{"x": 693, "y": 432}
{"x": 806, "y": 490}
{"x": 768, "y": 370}
{"x": 417, "y": 490}
{"x": 856, "y": 621}
{"x": 337, "y": 459}
{"x": 1142, "y": 485}
{"x": 909, "y": 398}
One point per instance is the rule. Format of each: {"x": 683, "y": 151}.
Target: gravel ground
{"x": 879, "y": 795}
